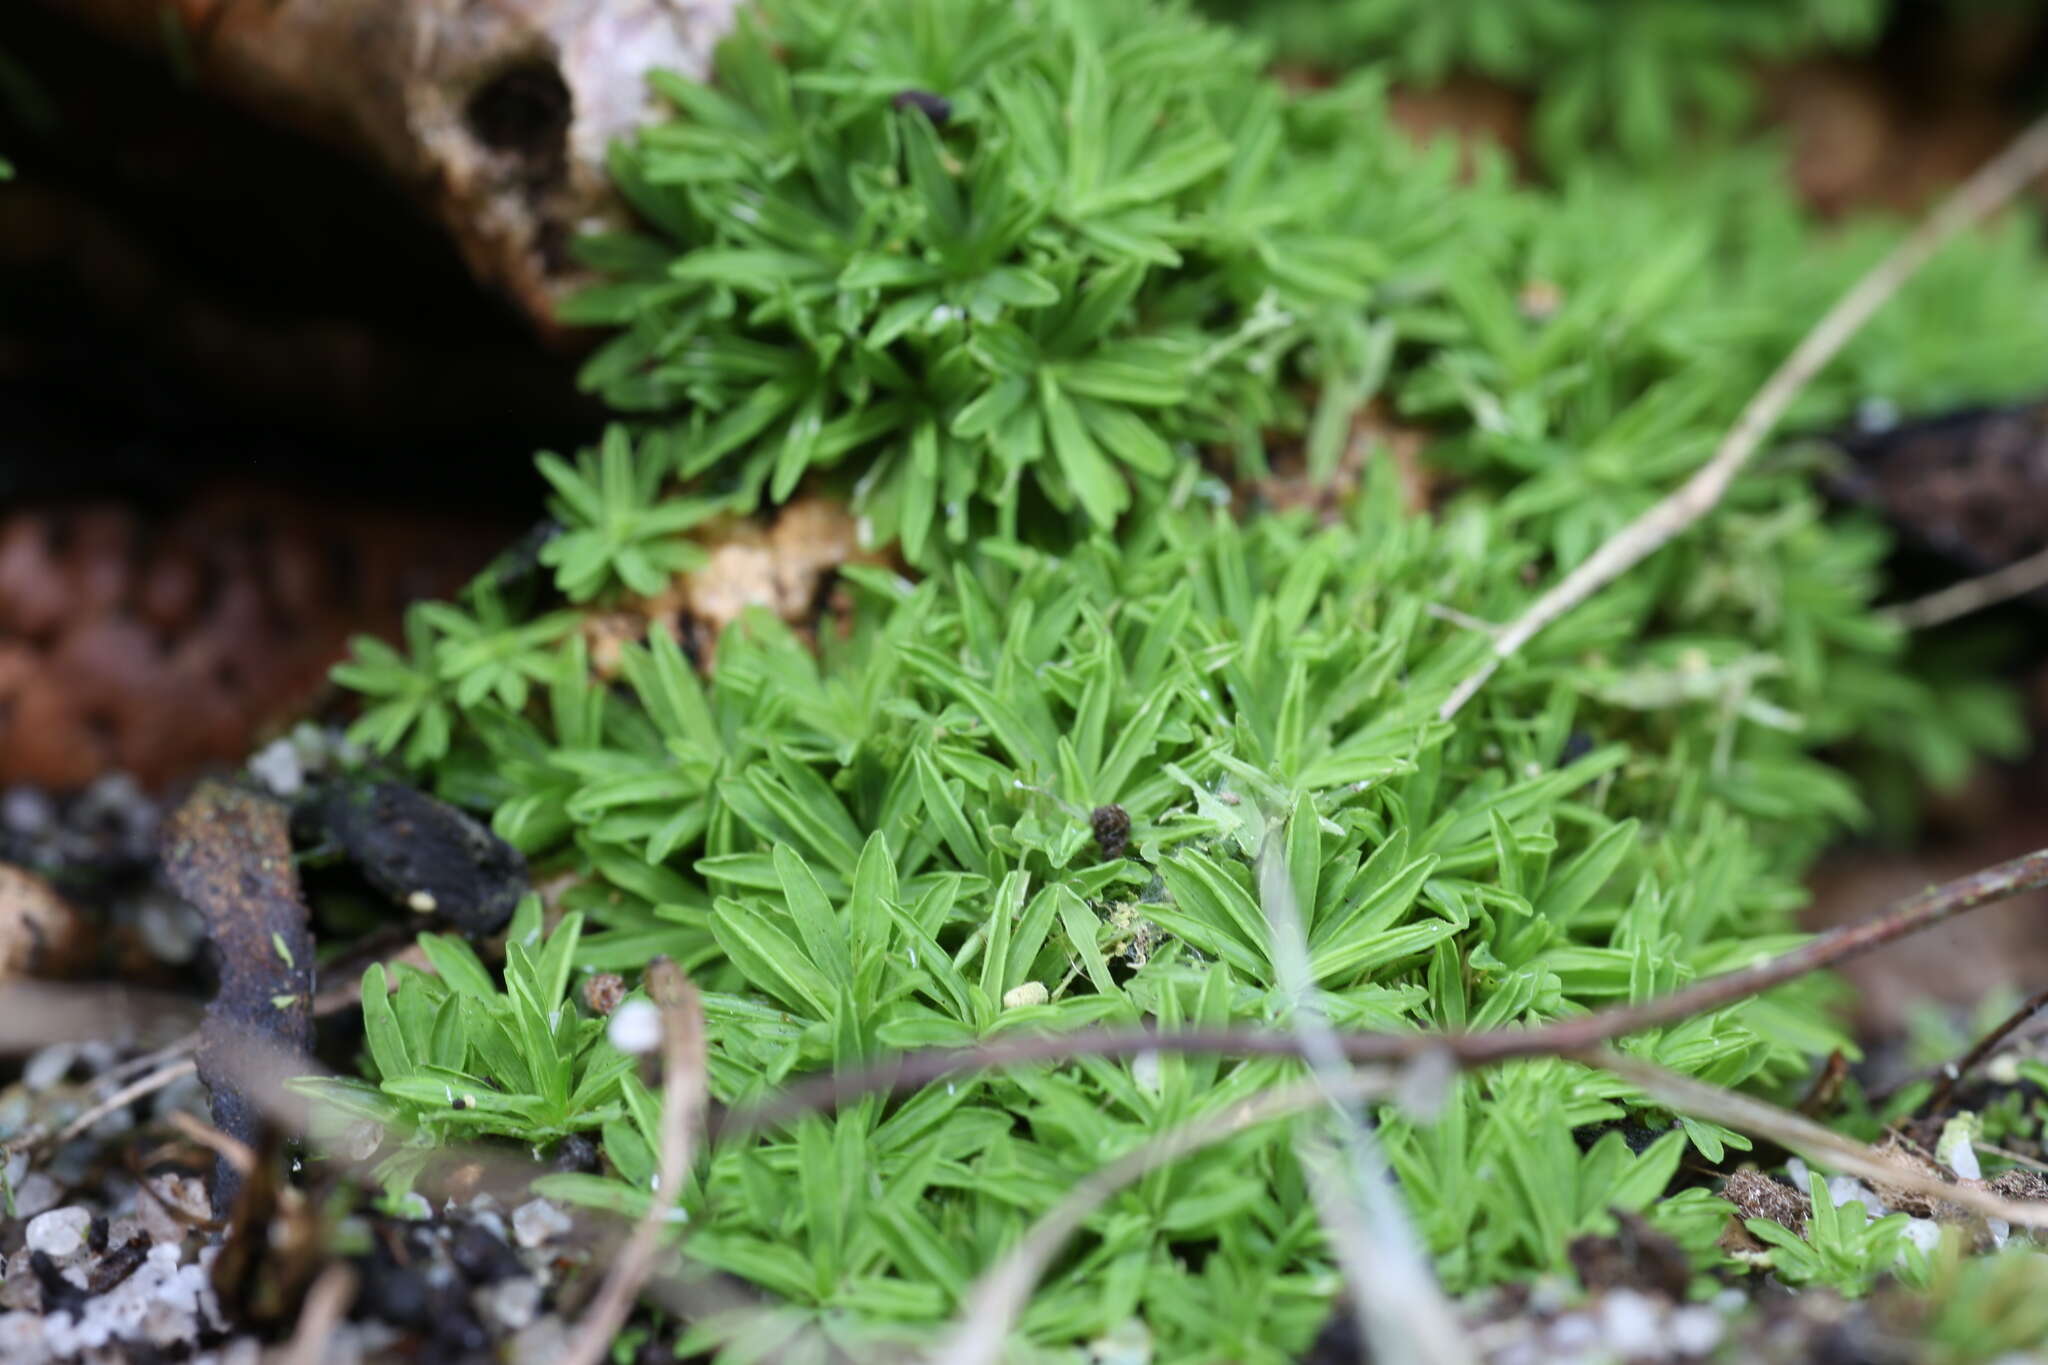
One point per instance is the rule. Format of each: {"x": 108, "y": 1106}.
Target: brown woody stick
{"x": 1924, "y": 910}
{"x": 1954, "y": 1072}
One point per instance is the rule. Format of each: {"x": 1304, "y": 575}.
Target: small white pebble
{"x": 1629, "y": 1324}
{"x": 37, "y": 1194}
{"x": 21, "y": 1339}
{"x": 1023, "y": 997}
{"x": 1694, "y": 1330}
{"x": 361, "y": 1139}
{"x": 1924, "y": 1233}
{"x": 1847, "y": 1189}
{"x": 422, "y": 902}
{"x": 635, "y": 1026}
{"x": 171, "y": 929}
{"x": 511, "y": 1304}
{"x": 1956, "y": 1147}
{"x": 1573, "y": 1333}
{"x": 277, "y": 766}
{"x": 60, "y": 1233}
{"x": 537, "y": 1221}
{"x": 170, "y": 1205}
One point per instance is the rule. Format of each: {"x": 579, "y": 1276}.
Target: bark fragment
{"x": 228, "y": 852}
{"x": 494, "y": 114}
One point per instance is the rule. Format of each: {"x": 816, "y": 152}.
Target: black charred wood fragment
{"x": 427, "y": 856}
{"x": 118, "y": 1264}
{"x": 59, "y": 1294}
{"x": 228, "y": 852}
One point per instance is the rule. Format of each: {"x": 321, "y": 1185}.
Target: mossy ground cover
{"x": 1041, "y": 289}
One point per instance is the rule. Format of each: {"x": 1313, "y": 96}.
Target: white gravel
{"x": 510, "y": 1305}
{"x": 1630, "y": 1324}
{"x": 59, "y": 1233}
{"x": 537, "y": 1221}
{"x": 635, "y": 1026}
{"x": 37, "y": 1194}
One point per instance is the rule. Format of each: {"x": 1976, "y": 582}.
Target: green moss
{"x": 1033, "y": 340}
{"x": 1633, "y": 76}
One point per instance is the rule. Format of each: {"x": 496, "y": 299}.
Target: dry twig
{"x": 326, "y": 1302}
{"x": 1402, "y": 1313}
{"x": 238, "y": 1155}
{"x": 683, "y": 1093}
{"x": 127, "y": 1095}
{"x": 2016, "y": 579}
{"x": 1995, "y": 183}
{"x": 992, "y": 1306}
{"x": 1746, "y": 1114}
{"x": 1923, "y": 910}
{"x": 1954, "y": 1071}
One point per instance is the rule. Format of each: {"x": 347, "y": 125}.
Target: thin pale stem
{"x": 684, "y": 1086}
{"x": 1974, "y": 594}
{"x": 1995, "y": 183}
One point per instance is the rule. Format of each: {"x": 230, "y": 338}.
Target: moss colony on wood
{"x": 1046, "y": 289}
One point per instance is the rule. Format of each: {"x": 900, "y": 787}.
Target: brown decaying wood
{"x": 495, "y": 114}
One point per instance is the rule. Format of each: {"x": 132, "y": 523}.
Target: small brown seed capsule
{"x": 1112, "y": 825}
{"x": 603, "y": 991}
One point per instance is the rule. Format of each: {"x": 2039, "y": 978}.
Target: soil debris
{"x": 1756, "y": 1195}
{"x": 1636, "y": 1256}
